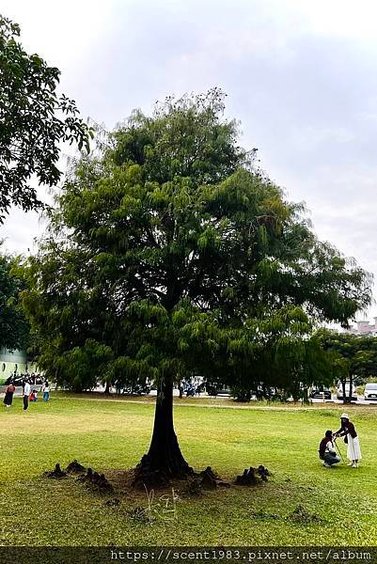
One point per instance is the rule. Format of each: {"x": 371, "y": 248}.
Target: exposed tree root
{"x": 253, "y": 476}
{"x": 144, "y": 476}
{"x": 75, "y": 467}
{"x": 56, "y": 473}
{"x": 92, "y": 478}
{"x": 96, "y": 480}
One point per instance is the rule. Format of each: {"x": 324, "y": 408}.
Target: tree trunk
{"x": 343, "y": 382}
{"x": 164, "y": 459}
{"x": 350, "y": 390}
{"x": 347, "y": 398}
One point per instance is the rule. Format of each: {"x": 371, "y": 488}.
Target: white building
{"x": 365, "y": 328}
{"x": 14, "y": 362}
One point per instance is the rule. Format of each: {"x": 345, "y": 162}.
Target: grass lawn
{"x": 112, "y": 435}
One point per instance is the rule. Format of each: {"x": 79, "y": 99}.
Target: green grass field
{"x": 112, "y": 435}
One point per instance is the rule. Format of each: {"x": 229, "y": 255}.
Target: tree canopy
{"x": 169, "y": 252}
{"x": 34, "y": 119}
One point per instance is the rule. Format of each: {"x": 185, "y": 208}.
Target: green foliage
{"x": 278, "y": 351}
{"x": 353, "y": 357}
{"x": 33, "y": 122}
{"x": 14, "y": 329}
{"x": 80, "y": 366}
{"x": 171, "y": 250}
{"x": 185, "y": 138}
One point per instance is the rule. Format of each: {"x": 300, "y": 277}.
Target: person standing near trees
{"x": 46, "y": 391}
{"x": 8, "y": 399}
{"x": 348, "y": 431}
{"x": 26, "y": 394}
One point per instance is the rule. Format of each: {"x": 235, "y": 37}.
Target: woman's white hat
{"x": 344, "y": 416}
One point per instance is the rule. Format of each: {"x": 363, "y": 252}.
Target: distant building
{"x": 365, "y": 328}
{"x": 14, "y": 362}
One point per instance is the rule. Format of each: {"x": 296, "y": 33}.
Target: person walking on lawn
{"x": 348, "y": 431}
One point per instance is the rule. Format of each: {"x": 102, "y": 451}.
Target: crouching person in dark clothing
{"x": 327, "y": 452}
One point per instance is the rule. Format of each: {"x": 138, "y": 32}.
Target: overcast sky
{"x": 300, "y": 75}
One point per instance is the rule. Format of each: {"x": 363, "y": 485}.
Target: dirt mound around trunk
{"x": 147, "y": 476}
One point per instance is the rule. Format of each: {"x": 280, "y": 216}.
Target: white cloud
{"x": 341, "y": 18}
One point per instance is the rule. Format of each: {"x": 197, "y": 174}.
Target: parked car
{"x": 224, "y": 392}
{"x": 370, "y": 391}
{"x": 321, "y": 392}
{"x": 339, "y": 391}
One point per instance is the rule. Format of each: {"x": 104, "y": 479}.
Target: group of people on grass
{"x": 328, "y": 451}
{"x": 28, "y": 393}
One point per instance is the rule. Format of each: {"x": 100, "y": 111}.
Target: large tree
{"x": 34, "y": 120}
{"x": 169, "y": 253}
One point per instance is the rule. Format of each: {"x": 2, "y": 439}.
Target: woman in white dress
{"x": 348, "y": 431}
